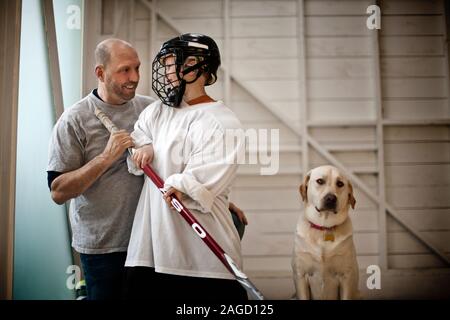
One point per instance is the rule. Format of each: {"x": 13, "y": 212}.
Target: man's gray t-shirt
{"x": 101, "y": 217}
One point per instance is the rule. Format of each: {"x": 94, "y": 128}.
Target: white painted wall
{"x": 262, "y": 45}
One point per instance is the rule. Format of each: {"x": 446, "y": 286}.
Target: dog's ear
{"x": 351, "y": 198}
{"x": 304, "y": 187}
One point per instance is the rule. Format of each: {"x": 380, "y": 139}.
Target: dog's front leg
{"x": 302, "y": 287}
{"x": 348, "y": 287}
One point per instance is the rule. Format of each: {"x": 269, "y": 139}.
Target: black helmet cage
{"x": 206, "y": 60}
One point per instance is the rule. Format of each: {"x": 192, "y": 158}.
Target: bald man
{"x": 88, "y": 165}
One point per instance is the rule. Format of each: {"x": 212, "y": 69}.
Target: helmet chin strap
{"x": 176, "y": 94}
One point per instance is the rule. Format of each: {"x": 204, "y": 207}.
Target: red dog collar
{"x": 321, "y": 228}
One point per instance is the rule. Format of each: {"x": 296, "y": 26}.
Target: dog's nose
{"x": 330, "y": 201}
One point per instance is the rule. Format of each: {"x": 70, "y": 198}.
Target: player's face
{"x": 170, "y": 71}
{"x": 122, "y": 74}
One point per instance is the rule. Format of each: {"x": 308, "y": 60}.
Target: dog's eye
{"x": 340, "y": 184}
{"x": 320, "y": 181}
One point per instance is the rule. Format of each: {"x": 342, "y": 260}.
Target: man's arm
{"x": 73, "y": 183}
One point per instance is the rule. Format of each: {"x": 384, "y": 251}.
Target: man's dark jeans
{"x": 104, "y": 275}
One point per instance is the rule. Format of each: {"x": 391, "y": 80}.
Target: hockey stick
{"x": 227, "y": 261}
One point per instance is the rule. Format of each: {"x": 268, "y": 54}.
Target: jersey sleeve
{"x": 211, "y": 167}
{"x": 142, "y": 134}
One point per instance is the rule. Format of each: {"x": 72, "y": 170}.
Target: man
{"x": 88, "y": 164}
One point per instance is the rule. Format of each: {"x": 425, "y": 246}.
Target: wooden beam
{"x": 382, "y": 230}
{"x": 227, "y": 55}
{"x": 446, "y": 18}
{"x": 55, "y": 74}
{"x": 152, "y": 44}
{"x": 10, "y": 24}
{"x": 301, "y": 43}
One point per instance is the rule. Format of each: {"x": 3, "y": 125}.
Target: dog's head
{"x": 328, "y": 196}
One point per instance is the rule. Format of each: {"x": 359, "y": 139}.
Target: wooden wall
{"x": 376, "y": 102}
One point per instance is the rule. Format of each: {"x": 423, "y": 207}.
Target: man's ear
{"x": 99, "y": 72}
{"x": 304, "y": 187}
{"x": 351, "y": 198}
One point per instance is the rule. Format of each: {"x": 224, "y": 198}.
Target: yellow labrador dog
{"x": 324, "y": 260}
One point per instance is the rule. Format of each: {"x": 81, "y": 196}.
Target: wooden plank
{"x": 252, "y": 48}
{"x": 412, "y": 25}
{"x": 209, "y": 26}
{"x": 412, "y": 46}
{"x": 144, "y": 82}
{"x": 349, "y": 134}
{"x": 350, "y": 158}
{"x": 55, "y": 75}
{"x": 381, "y": 192}
{"x": 141, "y": 12}
{"x": 191, "y": 8}
{"x": 286, "y": 135}
{"x": 419, "y": 196}
{"x": 416, "y": 109}
{"x": 336, "y": 88}
{"x": 303, "y": 101}
{"x": 399, "y": 7}
{"x": 252, "y": 112}
{"x": 226, "y": 56}
{"x": 10, "y": 24}
{"x": 414, "y": 88}
{"x": 141, "y": 29}
{"x": 413, "y": 175}
{"x": 423, "y": 219}
{"x": 338, "y": 68}
{"x": 338, "y": 47}
{"x": 164, "y": 32}
{"x": 263, "y": 69}
{"x": 263, "y": 27}
{"x": 336, "y": 26}
{"x": 340, "y": 110}
{"x": 413, "y": 67}
{"x": 332, "y": 7}
{"x": 293, "y": 181}
{"x": 241, "y": 8}
{"x": 274, "y": 90}
{"x": 417, "y": 134}
{"x": 405, "y": 243}
{"x": 420, "y": 152}
{"x": 416, "y": 261}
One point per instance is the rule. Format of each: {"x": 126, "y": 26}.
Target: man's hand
{"x": 143, "y": 156}
{"x": 118, "y": 142}
{"x": 239, "y": 213}
{"x": 168, "y": 196}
